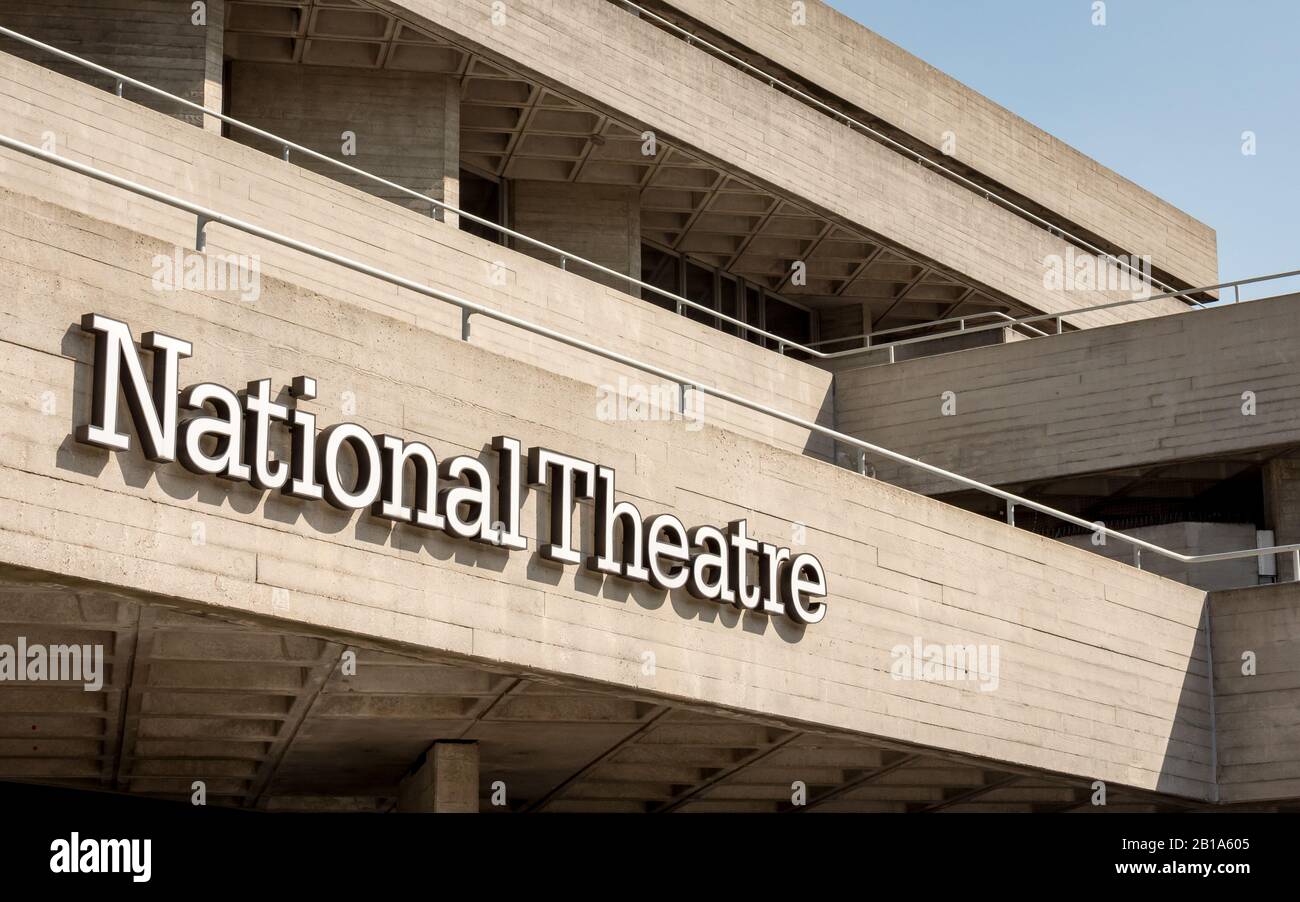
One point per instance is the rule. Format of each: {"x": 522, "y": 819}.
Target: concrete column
{"x": 844, "y": 321}
{"x": 444, "y": 782}
{"x": 1282, "y": 508}
{"x": 402, "y": 126}
{"x": 214, "y": 63}
{"x": 166, "y": 43}
{"x": 599, "y": 222}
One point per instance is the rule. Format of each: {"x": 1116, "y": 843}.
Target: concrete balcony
{"x": 1102, "y": 667}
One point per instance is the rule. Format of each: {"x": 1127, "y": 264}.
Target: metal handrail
{"x": 1010, "y": 322}
{"x": 208, "y": 216}
{"x": 951, "y": 319}
{"x": 1059, "y": 318}
{"x": 565, "y": 256}
{"x": 775, "y": 82}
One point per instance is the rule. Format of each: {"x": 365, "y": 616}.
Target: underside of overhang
{"x": 1222, "y": 488}
{"x": 512, "y": 127}
{"x": 267, "y": 716}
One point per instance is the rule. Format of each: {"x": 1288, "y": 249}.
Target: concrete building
{"x": 449, "y": 405}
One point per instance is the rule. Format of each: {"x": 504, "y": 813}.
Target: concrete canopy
{"x": 270, "y": 716}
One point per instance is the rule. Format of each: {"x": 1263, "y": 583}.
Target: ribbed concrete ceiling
{"x": 514, "y": 128}
{"x": 266, "y": 717}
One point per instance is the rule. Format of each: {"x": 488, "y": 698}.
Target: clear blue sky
{"x": 1161, "y": 94}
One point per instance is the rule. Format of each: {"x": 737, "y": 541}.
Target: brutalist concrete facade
{"x": 748, "y": 616}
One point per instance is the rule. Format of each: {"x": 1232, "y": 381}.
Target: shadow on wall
{"x": 1189, "y": 749}
{"x": 1256, "y": 640}
{"x": 820, "y": 446}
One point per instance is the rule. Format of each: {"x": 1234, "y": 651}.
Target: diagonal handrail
{"x": 207, "y": 216}
{"x": 1005, "y": 319}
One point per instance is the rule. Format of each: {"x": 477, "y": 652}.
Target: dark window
{"x": 721, "y": 293}
{"x": 790, "y": 322}
{"x": 754, "y": 313}
{"x": 660, "y": 270}
{"x": 699, "y": 288}
{"x": 727, "y": 304}
{"x": 482, "y": 197}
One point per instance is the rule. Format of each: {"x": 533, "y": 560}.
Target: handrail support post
{"x": 200, "y": 233}
{"x": 465, "y": 314}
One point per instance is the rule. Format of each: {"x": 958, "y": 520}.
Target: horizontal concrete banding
{"x": 1160, "y": 390}
{"x": 131, "y": 141}
{"x": 155, "y": 41}
{"x": 1102, "y": 674}
{"x": 1257, "y": 717}
{"x": 595, "y": 51}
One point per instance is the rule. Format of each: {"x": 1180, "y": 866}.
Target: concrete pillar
{"x": 599, "y": 222}
{"x": 845, "y": 321}
{"x": 166, "y": 43}
{"x": 1282, "y": 508}
{"x": 402, "y": 126}
{"x": 214, "y": 63}
{"x": 444, "y": 782}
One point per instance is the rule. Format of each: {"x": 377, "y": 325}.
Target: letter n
{"x": 154, "y": 412}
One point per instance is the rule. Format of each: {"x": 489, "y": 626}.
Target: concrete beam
{"x": 445, "y": 781}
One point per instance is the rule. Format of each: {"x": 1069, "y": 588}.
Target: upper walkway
{"x": 1199, "y": 384}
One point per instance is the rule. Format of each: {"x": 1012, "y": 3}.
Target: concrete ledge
{"x": 851, "y": 62}
{"x": 1159, "y": 390}
{"x": 595, "y": 51}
